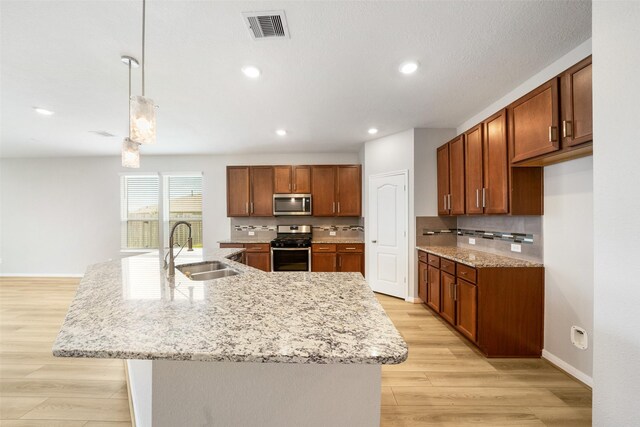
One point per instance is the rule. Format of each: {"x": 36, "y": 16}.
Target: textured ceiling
{"x": 336, "y": 77}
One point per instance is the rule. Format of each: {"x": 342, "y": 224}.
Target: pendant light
{"x": 130, "y": 149}
{"x": 142, "y": 111}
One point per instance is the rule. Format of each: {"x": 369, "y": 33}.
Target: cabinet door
{"x": 448, "y": 304}
{"x": 282, "y": 179}
{"x": 259, "y": 260}
{"x": 533, "y": 121}
{"x": 422, "y": 281}
{"x": 473, "y": 170}
{"x": 261, "y": 191}
{"x": 577, "y": 104}
{"x": 323, "y": 185}
{"x": 351, "y": 263}
{"x": 466, "y": 309}
{"x": 323, "y": 262}
{"x": 238, "y": 191}
{"x": 349, "y": 190}
{"x": 443, "y": 179}
{"x": 456, "y": 176}
{"x": 301, "y": 179}
{"x": 433, "y": 287}
{"x": 496, "y": 169}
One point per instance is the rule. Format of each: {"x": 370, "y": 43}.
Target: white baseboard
{"x": 577, "y": 374}
{"x": 413, "y": 300}
{"x": 39, "y": 275}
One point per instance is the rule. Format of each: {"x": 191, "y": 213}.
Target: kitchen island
{"x": 252, "y": 349}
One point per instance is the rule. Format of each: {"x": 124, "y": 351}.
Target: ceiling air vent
{"x": 270, "y": 24}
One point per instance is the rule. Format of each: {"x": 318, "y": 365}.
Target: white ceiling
{"x": 336, "y": 77}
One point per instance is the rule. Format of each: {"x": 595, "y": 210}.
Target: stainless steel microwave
{"x": 291, "y": 204}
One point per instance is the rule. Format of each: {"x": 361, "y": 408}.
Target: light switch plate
{"x": 516, "y": 247}
{"x": 332, "y": 233}
{"x": 252, "y": 233}
{"x": 472, "y": 241}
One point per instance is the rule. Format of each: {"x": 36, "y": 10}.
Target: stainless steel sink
{"x": 200, "y": 267}
{"x": 211, "y": 275}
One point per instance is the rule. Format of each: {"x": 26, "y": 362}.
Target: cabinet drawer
{"x": 345, "y": 247}
{"x": 433, "y": 260}
{"x": 257, "y": 247}
{"x": 448, "y": 266}
{"x": 322, "y": 247}
{"x": 231, "y": 245}
{"x": 467, "y": 273}
{"x": 422, "y": 256}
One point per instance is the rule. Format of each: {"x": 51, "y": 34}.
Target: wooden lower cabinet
{"x": 256, "y": 255}
{"x": 337, "y": 257}
{"x": 499, "y": 309}
{"x": 448, "y": 303}
{"x": 422, "y": 281}
{"x": 433, "y": 287}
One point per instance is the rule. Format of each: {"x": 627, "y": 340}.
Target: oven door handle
{"x": 290, "y": 249}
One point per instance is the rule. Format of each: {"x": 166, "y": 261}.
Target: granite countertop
{"x": 127, "y": 309}
{"x": 246, "y": 241}
{"x": 332, "y": 240}
{"x": 477, "y": 259}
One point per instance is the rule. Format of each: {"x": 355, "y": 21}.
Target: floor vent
{"x": 267, "y": 25}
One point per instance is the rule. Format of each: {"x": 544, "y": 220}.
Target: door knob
{"x": 374, "y": 241}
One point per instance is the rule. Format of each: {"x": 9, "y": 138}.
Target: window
{"x": 139, "y": 212}
{"x": 144, "y": 210}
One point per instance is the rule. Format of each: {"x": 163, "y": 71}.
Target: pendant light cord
{"x": 144, "y": 8}
{"x": 129, "y": 103}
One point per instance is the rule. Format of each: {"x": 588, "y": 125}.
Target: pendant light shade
{"x": 142, "y": 120}
{"x": 130, "y": 154}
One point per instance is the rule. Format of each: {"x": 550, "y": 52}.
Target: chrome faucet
{"x": 172, "y": 266}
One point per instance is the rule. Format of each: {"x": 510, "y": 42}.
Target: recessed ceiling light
{"x": 281, "y": 132}
{"x": 373, "y": 131}
{"x": 408, "y": 67}
{"x": 251, "y": 72}
{"x": 43, "y": 111}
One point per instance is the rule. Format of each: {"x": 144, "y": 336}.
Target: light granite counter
{"x": 477, "y": 259}
{"x": 127, "y": 309}
{"x": 330, "y": 240}
{"x": 245, "y": 241}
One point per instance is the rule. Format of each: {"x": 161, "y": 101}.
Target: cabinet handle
{"x": 289, "y": 186}
{"x": 246, "y": 207}
{"x": 567, "y": 129}
{"x": 449, "y": 201}
{"x": 477, "y": 197}
{"x": 339, "y": 261}
{"x": 551, "y": 133}
{"x": 444, "y": 202}
{"x": 294, "y": 187}
{"x": 338, "y": 207}
{"x": 350, "y": 249}
{"x": 484, "y": 197}
{"x": 463, "y": 273}
{"x": 455, "y": 292}
{"x": 251, "y": 207}
{"x": 334, "y": 207}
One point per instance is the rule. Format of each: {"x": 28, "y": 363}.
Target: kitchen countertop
{"x": 245, "y": 241}
{"x": 325, "y": 240}
{"x": 477, "y": 259}
{"x": 127, "y": 309}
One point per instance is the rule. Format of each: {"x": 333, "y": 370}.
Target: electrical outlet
{"x": 579, "y": 337}
{"x": 252, "y": 233}
{"x": 516, "y": 247}
{"x": 332, "y": 233}
{"x": 472, "y": 241}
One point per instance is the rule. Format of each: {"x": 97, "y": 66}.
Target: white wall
{"x": 616, "y": 113}
{"x": 59, "y": 215}
{"x": 568, "y": 261}
{"x": 426, "y": 168}
{"x": 388, "y": 154}
{"x": 569, "y": 284}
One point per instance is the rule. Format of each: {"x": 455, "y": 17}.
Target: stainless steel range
{"x": 291, "y": 249}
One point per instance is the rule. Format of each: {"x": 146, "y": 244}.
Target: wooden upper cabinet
{"x": 282, "y": 179}
{"x": 456, "y": 176}
{"x": 577, "y": 104}
{"x": 533, "y": 123}
{"x": 474, "y": 182}
{"x": 349, "y": 190}
{"x": 238, "y": 190}
{"x": 261, "y": 203}
{"x": 301, "y": 179}
{"x": 323, "y": 190}
{"x": 496, "y": 165}
{"x": 443, "y": 179}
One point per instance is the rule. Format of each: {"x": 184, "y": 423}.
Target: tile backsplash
{"x": 493, "y": 234}
{"x": 266, "y": 228}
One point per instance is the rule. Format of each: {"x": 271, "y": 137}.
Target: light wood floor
{"x": 444, "y": 382}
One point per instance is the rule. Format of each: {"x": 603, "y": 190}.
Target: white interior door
{"x": 387, "y": 225}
